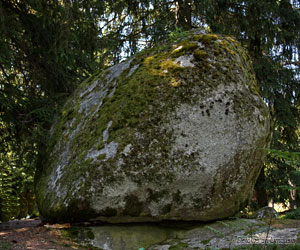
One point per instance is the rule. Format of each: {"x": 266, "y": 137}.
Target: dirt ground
{"x": 32, "y": 234}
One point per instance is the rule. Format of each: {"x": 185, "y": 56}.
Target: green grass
{"x": 294, "y": 214}
{"x": 5, "y": 245}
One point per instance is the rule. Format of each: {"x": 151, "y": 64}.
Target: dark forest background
{"x": 48, "y": 47}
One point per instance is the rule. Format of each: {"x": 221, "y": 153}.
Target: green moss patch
{"x": 154, "y": 82}
{"x": 179, "y": 246}
{"x": 5, "y": 245}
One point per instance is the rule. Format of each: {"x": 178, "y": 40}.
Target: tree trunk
{"x": 293, "y": 196}
{"x": 260, "y": 193}
{"x": 184, "y": 14}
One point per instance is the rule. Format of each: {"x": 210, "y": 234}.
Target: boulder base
{"x": 175, "y": 133}
{"x": 226, "y": 234}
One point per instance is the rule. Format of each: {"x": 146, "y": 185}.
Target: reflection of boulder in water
{"x": 174, "y": 133}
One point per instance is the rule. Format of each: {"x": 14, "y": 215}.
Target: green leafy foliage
{"x": 291, "y": 159}
{"x": 16, "y": 188}
{"x": 9, "y": 198}
{"x": 5, "y": 245}
{"x": 294, "y": 214}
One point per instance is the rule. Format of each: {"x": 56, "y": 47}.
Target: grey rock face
{"x": 265, "y": 213}
{"x": 175, "y": 133}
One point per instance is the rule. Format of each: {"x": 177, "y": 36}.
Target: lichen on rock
{"x": 175, "y": 133}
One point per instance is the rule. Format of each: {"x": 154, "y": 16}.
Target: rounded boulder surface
{"x": 175, "y": 133}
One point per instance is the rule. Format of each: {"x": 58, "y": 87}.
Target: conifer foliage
{"x": 46, "y": 48}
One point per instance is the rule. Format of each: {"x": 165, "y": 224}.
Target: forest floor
{"x": 32, "y": 234}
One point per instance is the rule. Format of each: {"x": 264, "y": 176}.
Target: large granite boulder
{"x": 175, "y": 133}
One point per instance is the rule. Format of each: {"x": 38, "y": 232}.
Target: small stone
{"x": 265, "y": 212}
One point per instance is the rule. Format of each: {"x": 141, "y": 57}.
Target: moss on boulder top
{"x": 176, "y": 133}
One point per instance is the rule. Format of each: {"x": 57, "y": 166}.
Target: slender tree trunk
{"x": 255, "y": 43}
{"x": 293, "y": 196}
{"x": 260, "y": 192}
{"x": 184, "y": 14}
{"x": 262, "y": 199}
